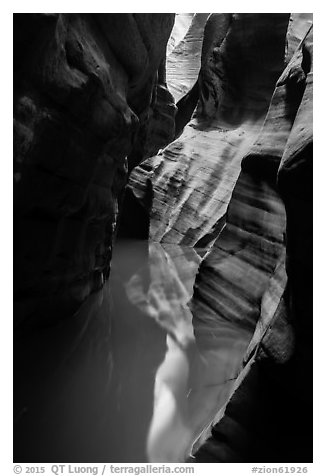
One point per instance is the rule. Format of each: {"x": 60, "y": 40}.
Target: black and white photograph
{"x": 162, "y": 241}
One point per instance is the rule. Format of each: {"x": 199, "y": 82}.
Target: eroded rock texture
{"x": 276, "y": 382}
{"x": 183, "y": 61}
{"x": 193, "y": 178}
{"x": 89, "y": 91}
{"x": 238, "y": 181}
{"x": 218, "y": 351}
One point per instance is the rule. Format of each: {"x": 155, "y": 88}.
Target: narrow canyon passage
{"x": 157, "y": 384}
{"x": 148, "y": 387}
{"x": 162, "y": 266}
{"x": 150, "y": 363}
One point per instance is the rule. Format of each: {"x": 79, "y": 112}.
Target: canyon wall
{"x": 238, "y": 182}
{"x": 193, "y": 177}
{"x": 90, "y": 100}
{"x": 86, "y": 97}
{"x": 199, "y": 138}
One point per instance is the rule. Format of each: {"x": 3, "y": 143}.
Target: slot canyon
{"x": 163, "y": 186}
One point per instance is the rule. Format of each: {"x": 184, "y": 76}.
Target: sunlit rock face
{"x": 88, "y": 90}
{"x": 235, "y": 273}
{"x": 181, "y": 25}
{"x": 234, "y": 182}
{"x": 184, "y": 56}
{"x": 242, "y": 281}
{"x": 280, "y": 353}
{"x": 299, "y": 25}
{"x": 193, "y": 178}
{"x": 200, "y": 342}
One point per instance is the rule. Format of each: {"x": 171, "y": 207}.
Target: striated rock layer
{"x": 183, "y": 61}
{"x": 193, "y": 178}
{"x": 260, "y": 423}
{"x": 205, "y": 349}
{"x": 86, "y": 97}
{"x": 253, "y": 118}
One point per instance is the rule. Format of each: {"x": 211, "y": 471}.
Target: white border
{"x": 319, "y": 193}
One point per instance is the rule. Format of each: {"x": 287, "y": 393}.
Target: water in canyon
{"x": 146, "y": 365}
{"x": 136, "y": 374}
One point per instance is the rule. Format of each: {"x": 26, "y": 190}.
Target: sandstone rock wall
{"x": 88, "y": 88}
{"x": 275, "y": 385}
{"x": 183, "y": 61}
{"x": 236, "y": 185}
{"x": 239, "y": 181}
{"x": 193, "y": 178}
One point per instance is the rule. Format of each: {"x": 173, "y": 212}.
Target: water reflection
{"x": 195, "y": 376}
{"x": 127, "y": 379}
